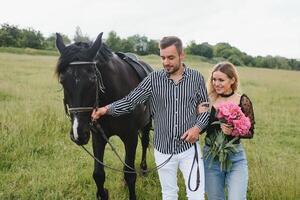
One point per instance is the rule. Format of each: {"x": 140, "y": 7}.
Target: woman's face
{"x": 222, "y": 83}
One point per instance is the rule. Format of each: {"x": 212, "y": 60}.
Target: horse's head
{"x": 79, "y": 76}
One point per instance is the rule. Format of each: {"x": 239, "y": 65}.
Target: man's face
{"x": 171, "y": 60}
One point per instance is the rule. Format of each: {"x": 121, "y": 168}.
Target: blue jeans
{"x": 236, "y": 180}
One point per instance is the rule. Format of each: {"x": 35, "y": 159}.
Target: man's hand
{"x": 191, "y": 135}
{"x": 97, "y": 113}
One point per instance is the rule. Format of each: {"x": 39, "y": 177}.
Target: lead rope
{"x": 143, "y": 171}
{"x": 98, "y": 128}
{"x": 198, "y": 171}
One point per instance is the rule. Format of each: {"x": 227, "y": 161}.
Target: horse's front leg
{"x": 99, "y": 173}
{"x": 130, "y": 150}
{"x": 145, "y": 144}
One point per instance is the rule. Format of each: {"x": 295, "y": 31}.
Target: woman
{"x": 222, "y": 88}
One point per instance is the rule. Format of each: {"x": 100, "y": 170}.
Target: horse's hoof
{"x": 143, "y": 168}
{"x": 103, "y": 196}
{"x": 132, "y": 198}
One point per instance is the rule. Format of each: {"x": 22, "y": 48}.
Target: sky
{"x": 256, "y": 27}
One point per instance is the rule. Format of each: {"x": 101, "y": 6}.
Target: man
{"x": 174, "y": 94}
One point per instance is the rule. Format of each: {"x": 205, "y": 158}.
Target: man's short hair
{"x": 169, "y": 41}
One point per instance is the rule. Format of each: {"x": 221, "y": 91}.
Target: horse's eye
{"x": 89, "y": 70}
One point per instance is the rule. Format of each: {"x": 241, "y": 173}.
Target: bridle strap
{"x": 100, "y": 85}
{"x": 99, "y": 88}
{"x": 80, "y": 109}
{"x": 82, "y": 63}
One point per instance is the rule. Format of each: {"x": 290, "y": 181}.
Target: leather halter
{"x": 99, "y": 89}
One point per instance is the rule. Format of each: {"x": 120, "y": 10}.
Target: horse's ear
{"x": 96, "y": 45}
{"x": 60, "y": 43}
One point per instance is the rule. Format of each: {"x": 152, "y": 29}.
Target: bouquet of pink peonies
{"x": 220, "y": 147}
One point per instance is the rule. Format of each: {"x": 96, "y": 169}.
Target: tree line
{"x": 224, "y": 51}
{"x": 13, "y": 36}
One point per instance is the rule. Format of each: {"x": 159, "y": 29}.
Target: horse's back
{"x": 140, "y": 67}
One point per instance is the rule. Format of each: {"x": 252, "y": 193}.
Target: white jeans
{"x": 168, "y": 173}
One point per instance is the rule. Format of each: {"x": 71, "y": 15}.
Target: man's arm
{"x": 138, "y": 96}
{"x": 202, "y": 97}
{"x": 192, "y": 134}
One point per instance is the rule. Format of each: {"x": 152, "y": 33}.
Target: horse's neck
{"x": 104, "y": 55}
{"x": 118, "y": 78}
{"x": 110, "y": 72}
{"x": 109, "y": 66}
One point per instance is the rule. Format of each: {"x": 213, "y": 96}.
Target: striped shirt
{"x": 173, "y": 107}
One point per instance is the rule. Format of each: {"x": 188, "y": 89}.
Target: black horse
{"x": 92, "y": 76}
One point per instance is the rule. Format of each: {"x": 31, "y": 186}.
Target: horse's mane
{"x": 79, "y": 52}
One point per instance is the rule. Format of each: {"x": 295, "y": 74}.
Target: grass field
{"x": 39, "y": 161}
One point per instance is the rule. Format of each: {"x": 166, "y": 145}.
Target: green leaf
{"x": 208, "y": 141}
{"x": 216, "y": 122}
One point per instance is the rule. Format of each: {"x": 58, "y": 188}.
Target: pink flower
{"x": 228, "y": 111}
{"x": 241, "y": 126}
{"x": 221, "y": 147}
{"x": 232, "y": 114}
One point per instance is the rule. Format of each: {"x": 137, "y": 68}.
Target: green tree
{"x": 126, "y": 46}
{"x": 236, "y": 60}
{"x": 153, "y": 47}
{"x": 114, "y": 41}
{"x": 32, "y": 39}
{"x": 295, "y": 65}
{"x": 206, "y": 50}
{"x": 79, "y": 37}
{"x": 10, "y": 36}
{"x": 219, "y": 48}
{"x": 203, "y": 49}
{"x": 247, "y": 59}
{"x": 261, "y": 62}
{"x": 192, "y": 48}
{"x": 50, "y": 41}
{"x": 140, "y": 44}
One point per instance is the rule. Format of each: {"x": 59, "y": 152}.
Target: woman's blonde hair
{"x": 227, "y": 68}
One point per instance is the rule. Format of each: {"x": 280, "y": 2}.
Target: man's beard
{"x": 173, "y": 69}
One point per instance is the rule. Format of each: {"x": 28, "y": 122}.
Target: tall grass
{"x": 38, "y": 160}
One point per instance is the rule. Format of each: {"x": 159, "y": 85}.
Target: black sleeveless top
{"x": 246, "y": 107}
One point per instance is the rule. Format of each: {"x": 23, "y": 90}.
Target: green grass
{"x": 28, "y": 51}
{"x": 38, "y": 160}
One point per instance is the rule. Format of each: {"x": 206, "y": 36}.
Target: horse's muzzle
{"x": 83, "y": 137}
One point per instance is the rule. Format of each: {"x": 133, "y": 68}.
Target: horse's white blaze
{"x": 75, "y": 126}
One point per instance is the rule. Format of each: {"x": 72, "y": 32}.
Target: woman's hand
{"x": 226, "y": 128}
{"x": 203, "y": 107}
